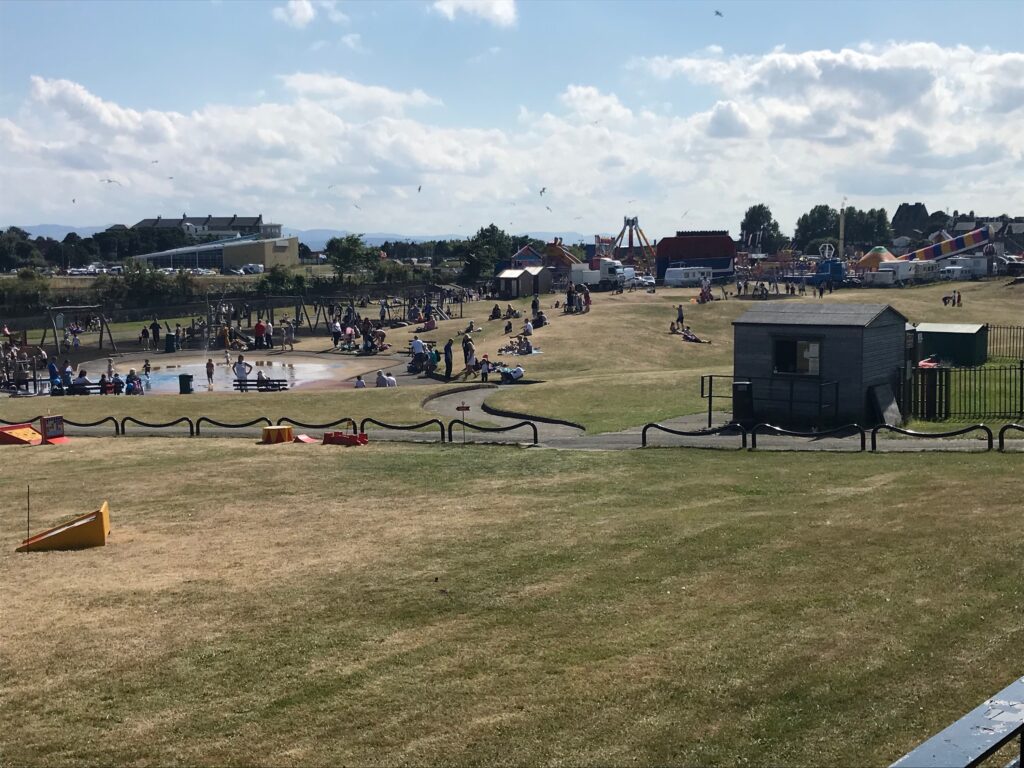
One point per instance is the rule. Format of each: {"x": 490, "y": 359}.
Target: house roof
{"x": 535, "y": 270}
{"x": 774, "y": 313}
{"x": 511, "y": 274}
{"x": 968, "y": 328}
{"x": 210, "y": 222}
{"x": 965, "y": 226}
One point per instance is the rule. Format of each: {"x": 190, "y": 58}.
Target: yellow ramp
{"x": 89, "y": 530}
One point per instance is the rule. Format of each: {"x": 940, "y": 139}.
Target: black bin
{"x": 743, "y": 402}
{"x": 169, "y": 342}
{"x": 184, "y": 383}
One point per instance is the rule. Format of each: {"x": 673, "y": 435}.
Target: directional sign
{"x": 462, "y": 408}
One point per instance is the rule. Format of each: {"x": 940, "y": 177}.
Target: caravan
{"x": 678, "y": 277}
{"x": 924, "y": 271}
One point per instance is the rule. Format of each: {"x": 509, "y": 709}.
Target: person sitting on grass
{"x": 508, "y": 328}
{"x": 673, "y": 328}
{"x": 689, "y": 335}
{"x": 381, "y": 379}
{"x": 512, "y": 375}
{"x": 495, "y": 313}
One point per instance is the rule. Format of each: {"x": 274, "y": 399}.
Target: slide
{"x": 966, "y": 242}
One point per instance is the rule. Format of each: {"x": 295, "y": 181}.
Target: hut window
{"x": 797, "y": 356}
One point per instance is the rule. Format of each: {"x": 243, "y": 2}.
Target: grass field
{"x": 296, "y": 605}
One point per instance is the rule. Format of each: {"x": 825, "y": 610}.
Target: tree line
{"x": 863, "y": 229}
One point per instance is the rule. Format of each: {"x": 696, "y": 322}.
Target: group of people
{"x": 577, "y": 299}
{"x": 63, "y": 380}
{"x": 679, "y": 327}
{"x": 953, "y": 299}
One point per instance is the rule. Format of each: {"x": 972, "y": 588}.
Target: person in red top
{"x": 259, "y": 329}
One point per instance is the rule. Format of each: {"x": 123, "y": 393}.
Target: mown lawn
{"x": 298, "y": 605}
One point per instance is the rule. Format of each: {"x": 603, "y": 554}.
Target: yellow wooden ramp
{"x": 89, "y": 530}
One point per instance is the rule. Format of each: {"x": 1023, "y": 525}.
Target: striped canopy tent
{"x": 874, "y": 257}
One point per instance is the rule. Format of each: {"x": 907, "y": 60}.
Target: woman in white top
{"x": 241, "y": 369}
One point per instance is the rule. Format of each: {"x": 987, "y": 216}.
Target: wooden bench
{"x": 976, "y": 736}
{"x": 254, "y": 385}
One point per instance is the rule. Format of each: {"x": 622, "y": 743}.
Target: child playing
{"x": 209, "y": 374}
{"x": 146, "y": 368}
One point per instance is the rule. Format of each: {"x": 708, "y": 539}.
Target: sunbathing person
{"x": 689, "y": 335}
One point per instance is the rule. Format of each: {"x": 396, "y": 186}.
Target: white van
{"x": 954, "y": 273}
{"x": 678, "y": 277}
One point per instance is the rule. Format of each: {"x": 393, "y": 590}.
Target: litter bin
{"x": 742, "y": 402}
{"x": 169, "y": 342}
{"x": 185, "y": 383}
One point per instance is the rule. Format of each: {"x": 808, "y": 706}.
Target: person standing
{"x": 268, "y": 334}
{"x": 258, "y": 330}
{"x": 154, "y": 329}
{"x": 679, "y": 315}
{"x": 383, "y": 311}
{"x": 448, "y": 359}
{"x": 485, "y": 368}
{"x": 241, "y": 369}
{"x": 336, "y": 332}
{"x": 289, "y": 335}
{"x": 209, "y": 374}
{"x": 144, "y": 338}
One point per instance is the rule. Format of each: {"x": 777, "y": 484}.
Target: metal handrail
{"x": 732, "y": 426}
{"x": 186, "y": 419}
{"x": 329, "y": 424}
{"x": 104, "y": 420}
{"x": 911, "y": 433}
{"x": 407, "y": 427}
{"x": 794, "y": 433}
{"x": 481, "y": 428}
{"x": 215, "y": 423}
{"x": 1002, "y": 433}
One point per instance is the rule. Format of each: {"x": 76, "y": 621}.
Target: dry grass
{"x": 297, "y": 605}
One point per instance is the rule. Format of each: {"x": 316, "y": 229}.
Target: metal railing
{"x": 847, "y": 430}
{"x": 912, "y": 433}
{"x": 1005, "y": 340}
{"x": 976, "y": 736}
{"x": 329, "y": 424}
{"x": 730, "y": 427}
{"x": 984, "y": 392}
{"x": 405, "y": 427}
{"x": 481, "y": 428}
{"x": 1006, "y": 428}
{"x": 163, "y": 425}
{"x": 261, "y": 420}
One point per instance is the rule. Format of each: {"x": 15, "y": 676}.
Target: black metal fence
{"x": 1006, "y": 341}
{"x": 791, "y": 399}
{"x": 960, "y": 394}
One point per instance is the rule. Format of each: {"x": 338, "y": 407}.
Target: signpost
{"x": 463, "y": 408}
{"x": 51, "y": 428}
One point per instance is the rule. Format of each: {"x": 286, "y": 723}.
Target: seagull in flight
{"x": 419, "y": 188}
{"x": 577, "y": 218}
{"x": 543, "y": 190}
{"x": 549, "y": 208}
{"x": 73, "y": 200}
{"x": 170, "y": 178}
{"x": 356, "y": 207}
{"x": 111, "y": 181}
{"x": 331, "y": 186}
{"x": 719, "y": 13}
{"x": 153, "y": 162}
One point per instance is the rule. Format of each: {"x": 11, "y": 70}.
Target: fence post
{"x": 711, "y": 395}
{"x": 1020, "y": 384}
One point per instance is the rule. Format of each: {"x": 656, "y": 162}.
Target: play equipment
{"x": 50, "y": 432}
{"x": 305, "y": 439}
{"x": 279, "y": 434}
{"x": 20, "y": 434}
{"x": 966, "y": 242}
{"x": 59, "y": 322}
{"x": 86, "y": 531}
{"x": 344, "y": 438}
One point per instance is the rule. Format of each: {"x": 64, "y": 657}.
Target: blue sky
{"x": 653, "y": 109}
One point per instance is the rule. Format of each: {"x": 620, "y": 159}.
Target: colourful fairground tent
{"x": 874, "y": 257}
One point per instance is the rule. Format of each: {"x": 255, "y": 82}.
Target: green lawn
{"x": 302, "y": 605}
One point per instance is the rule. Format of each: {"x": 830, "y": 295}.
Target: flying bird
{"x": 331, "y": 186}
{"x": 153, "y": 162}
{"x": 577, "y": 218}
{"x": 549, "y": 208}
{"x": 73, "y": 200}
{"x": 630, "y": 202}
{"x": 356, "y": 207}
{"x": 111, "y": 181}
{"x": 170, "y": 178}
{"x": 543, "y": 190}
{"x": 419, "y": 188}
{"x": 719, "y": 13}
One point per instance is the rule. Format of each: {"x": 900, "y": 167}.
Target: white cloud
{"x": 295, "y": 13}
{"x": 300, "y": 13}
{"x": 354, "y": 42}
{"x": 501, "y": 13}
{"x": 342, "y": 93}
{"x": 771, "y": 132}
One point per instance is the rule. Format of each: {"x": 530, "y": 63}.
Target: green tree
{"x": 348, "y": 255}
{"x": 822, "y": 221}
{"x": 759, "y": 228}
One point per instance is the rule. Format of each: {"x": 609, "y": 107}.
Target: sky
{"x": 441, "y": 116}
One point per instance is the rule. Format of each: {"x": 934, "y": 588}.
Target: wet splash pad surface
{"x": 163, "y": 378}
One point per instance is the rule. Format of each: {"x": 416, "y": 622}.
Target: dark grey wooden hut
{"x": 825, "y": 364}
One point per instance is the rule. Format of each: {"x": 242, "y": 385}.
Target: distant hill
{"x": 316, "y": 239}
{"x": 60, "y": 231}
